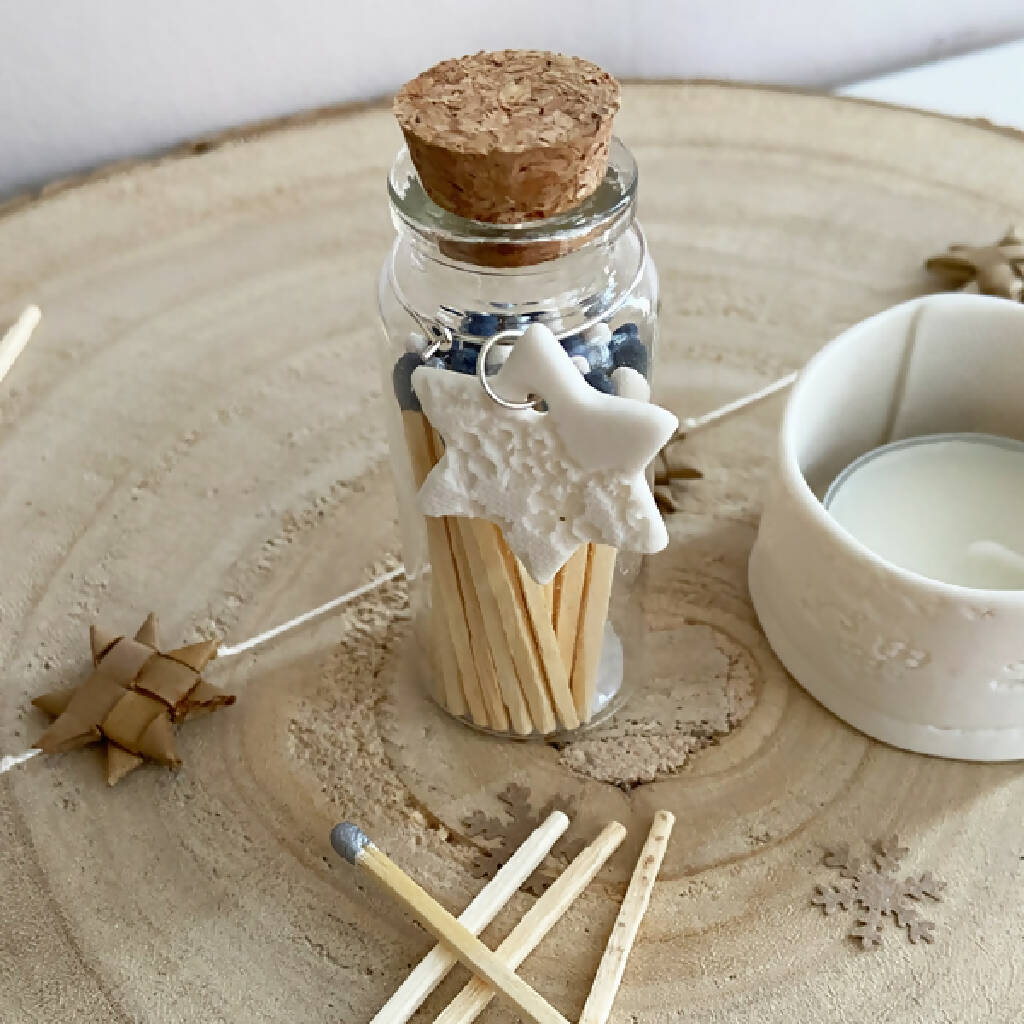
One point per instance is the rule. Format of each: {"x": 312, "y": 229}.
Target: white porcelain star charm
{"x": 551, "y": 480}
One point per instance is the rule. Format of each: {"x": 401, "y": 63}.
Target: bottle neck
{"x": 449, "y": 272}
{"x": 567, "y": 292}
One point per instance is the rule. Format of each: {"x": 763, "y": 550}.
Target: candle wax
{"x": 949, "y": 507}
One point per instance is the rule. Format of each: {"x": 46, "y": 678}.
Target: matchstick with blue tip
{"x": 431, "y": 970}
{"x": 352, "y": 843}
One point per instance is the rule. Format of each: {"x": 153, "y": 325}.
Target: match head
{"x": 349, "y": 840}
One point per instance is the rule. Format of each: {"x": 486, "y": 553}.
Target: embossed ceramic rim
{"x": 964, "y": 436}
{"x": 797, "y": 484}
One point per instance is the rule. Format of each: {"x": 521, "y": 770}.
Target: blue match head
{"x": 600, "y": 381}
{"x": 480, "y": 325}
{"x": 401, "y": 379}
{"x": 463, "y": 360}
{"x": 575, "y": 345}
{"x": 628, "y": 350}
{"x": 349, "y": 840}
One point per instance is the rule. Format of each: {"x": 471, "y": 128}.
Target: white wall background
{"x": 83, "y": 82}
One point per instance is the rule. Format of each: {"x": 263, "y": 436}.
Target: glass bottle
{"x": 493, "y": 647}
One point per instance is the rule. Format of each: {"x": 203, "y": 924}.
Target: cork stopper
{"x": 510, "y": 136}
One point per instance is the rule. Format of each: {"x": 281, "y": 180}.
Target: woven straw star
{"x": 994, "y": 269}
{"x": 132, "y": 699}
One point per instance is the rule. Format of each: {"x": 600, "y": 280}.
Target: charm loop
{"x": 481, "y": 372}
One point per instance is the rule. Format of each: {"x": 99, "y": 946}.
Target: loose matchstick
{"x": 431, "y": 970}
{"x": 352, "y": 843}
{"x": 14, "y": 341}
{"x": 598, "y": 1006}
{"x": 537, "y": 922}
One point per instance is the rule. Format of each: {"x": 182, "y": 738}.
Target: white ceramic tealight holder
{"x": 921, "y": 663}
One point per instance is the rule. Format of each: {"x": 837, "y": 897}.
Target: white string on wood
{"x": 694, "y": 423}
{"x": 13, "y": 760}
{"x": 229, "y": 650}
{"x": 687, "y": 426}
{"x": 13, "y": 343}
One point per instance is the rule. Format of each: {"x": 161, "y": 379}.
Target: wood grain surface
{"x": 197, "y": 428}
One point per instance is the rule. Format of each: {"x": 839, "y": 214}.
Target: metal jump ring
{"x": 481, "y": 365}
{"x": 481, "y": 372}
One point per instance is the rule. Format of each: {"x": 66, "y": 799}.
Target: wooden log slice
{"x": 197, "y": 428}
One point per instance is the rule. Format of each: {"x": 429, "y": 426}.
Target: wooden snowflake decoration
{"x": 874, "y": 892}
{"x": 506, "y": 834}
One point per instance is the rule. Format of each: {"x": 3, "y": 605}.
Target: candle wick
{"x": 993, "y": 551}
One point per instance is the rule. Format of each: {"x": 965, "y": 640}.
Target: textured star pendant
{"x": 132, "y": 699}
{"x": 551, "y": 480}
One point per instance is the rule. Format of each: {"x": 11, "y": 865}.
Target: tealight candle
{"x": 888, "y": 573}
{"x": 945, "y": 506}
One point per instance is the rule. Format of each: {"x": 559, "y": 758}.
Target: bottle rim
{"x": 610, "y": 206}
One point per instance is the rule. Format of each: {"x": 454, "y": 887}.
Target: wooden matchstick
{"x": 350, "y": 842}
{"x": 476, "y": 672}
{"x": 432, "y": 969}
{"x": 598, "y": 1006}
{"x": 449, "y": 621}
{"x": 504, "y": 586}
{"x": 16, "y": 338}
{"x": 597, "y": 592}
{"x": 571, "y": 578}
{"x": 549, "y": 597}
{"x": 536, "y": 923}
{"x": 538, "y": 612}
{"x": 508, "y": 680}
{"x": 486, "y": 671}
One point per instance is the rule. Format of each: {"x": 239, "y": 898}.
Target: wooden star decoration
{"x": 132, "y": 700}
{"x": 994, "y": 269}
{"x": 551, "y": 479}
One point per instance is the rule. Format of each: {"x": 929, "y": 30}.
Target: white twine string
{"x": 694, "y": 423}
{"x": 13, "y": 343}
{"x": 7, "y": 763}
{"x": 230, "y": 650}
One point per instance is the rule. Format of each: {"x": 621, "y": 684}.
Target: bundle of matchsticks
{"x": 494, "y": 970}
{"x": 513, "y": 655}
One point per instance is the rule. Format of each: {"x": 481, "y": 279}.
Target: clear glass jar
{"x": 493, "y": 647}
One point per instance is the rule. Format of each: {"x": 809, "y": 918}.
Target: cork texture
{"x": 509, "y": 136}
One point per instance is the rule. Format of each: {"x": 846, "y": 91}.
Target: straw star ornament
{"x": 996, "y": 269}
{"x": 132, "y": 700}
{"x": 551, "y": 480}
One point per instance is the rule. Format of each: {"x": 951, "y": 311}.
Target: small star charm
{"x": 551, "y": 480}
{"x": 132, "y": 699}
{"x": 995, "y": 269}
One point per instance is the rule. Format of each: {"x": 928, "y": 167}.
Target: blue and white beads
{"x": 605, "y": 352}
{"x": 613, "y": 362}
